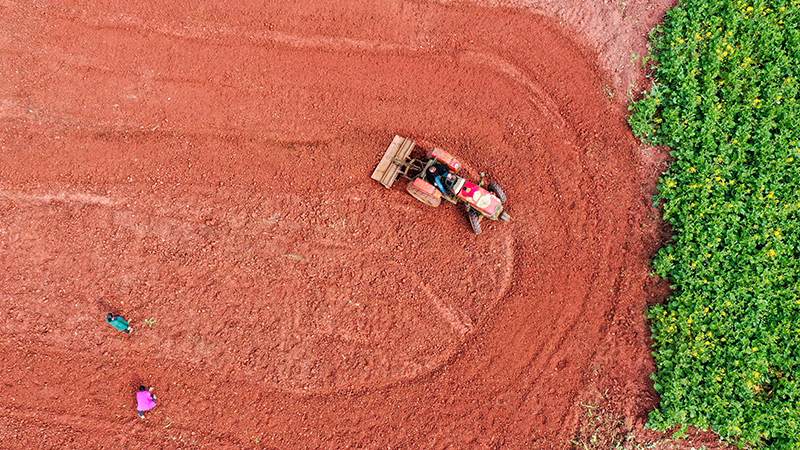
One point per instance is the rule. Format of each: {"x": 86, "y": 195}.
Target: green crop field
{"x": 725, "y": 99}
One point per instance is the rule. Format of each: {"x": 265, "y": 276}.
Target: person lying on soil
{"x": 145, "y": 400}
{"x": 119, "y": 323}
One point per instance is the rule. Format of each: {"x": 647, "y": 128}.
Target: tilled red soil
{"x": 203, "y": 170}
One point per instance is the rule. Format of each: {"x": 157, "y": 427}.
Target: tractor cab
{"x": 439, "y": 171}
{"x": 440, "y": 176}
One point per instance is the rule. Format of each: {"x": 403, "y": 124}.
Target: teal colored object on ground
{"x": 118, "y": 323}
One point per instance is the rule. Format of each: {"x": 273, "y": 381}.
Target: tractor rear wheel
{"x": 474, "y": 219}
{"x": 495, "y": 189}
{"x": 423, "y": 196}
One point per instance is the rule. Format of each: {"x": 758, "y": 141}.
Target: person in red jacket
{"x": 145, "y": 400}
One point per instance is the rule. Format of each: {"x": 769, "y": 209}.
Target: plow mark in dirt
{"x": 297, "y": 326}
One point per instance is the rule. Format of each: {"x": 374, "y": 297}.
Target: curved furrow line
{"x": 59, "y": 197}
{"x": 208, "y": 32}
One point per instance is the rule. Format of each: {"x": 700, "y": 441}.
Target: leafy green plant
{"x": 725, "y": 99}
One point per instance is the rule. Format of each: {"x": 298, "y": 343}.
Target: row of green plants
{"x": 725, "y": 99}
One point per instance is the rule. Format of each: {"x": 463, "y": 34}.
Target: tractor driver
{"x": 441, "y": 177}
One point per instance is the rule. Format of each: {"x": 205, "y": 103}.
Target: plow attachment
{"x": 393, "y": 161}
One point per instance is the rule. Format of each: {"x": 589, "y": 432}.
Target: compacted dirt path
{"x": 203, "y": 170}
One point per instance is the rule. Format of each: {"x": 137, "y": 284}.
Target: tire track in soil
{"x": 208, "y": 33}
{"x": 76, "y": 431}
{"x": 194, "y": 240}
{"x": 201, "y": 32}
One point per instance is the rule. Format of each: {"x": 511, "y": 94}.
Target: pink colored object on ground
{"x": 145, "y": 401}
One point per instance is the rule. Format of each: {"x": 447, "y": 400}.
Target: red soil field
{"x": 202, "y": 168}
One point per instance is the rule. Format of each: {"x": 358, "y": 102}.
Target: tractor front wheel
{"x": 424, "y": 197}
{"x": 474, "y": 219}
{"x": 495, "y": 189}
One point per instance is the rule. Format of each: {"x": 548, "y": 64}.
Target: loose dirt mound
{"x": 204, "y": 171}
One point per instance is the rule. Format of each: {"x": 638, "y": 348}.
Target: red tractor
{"x": 434, "y": 179}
